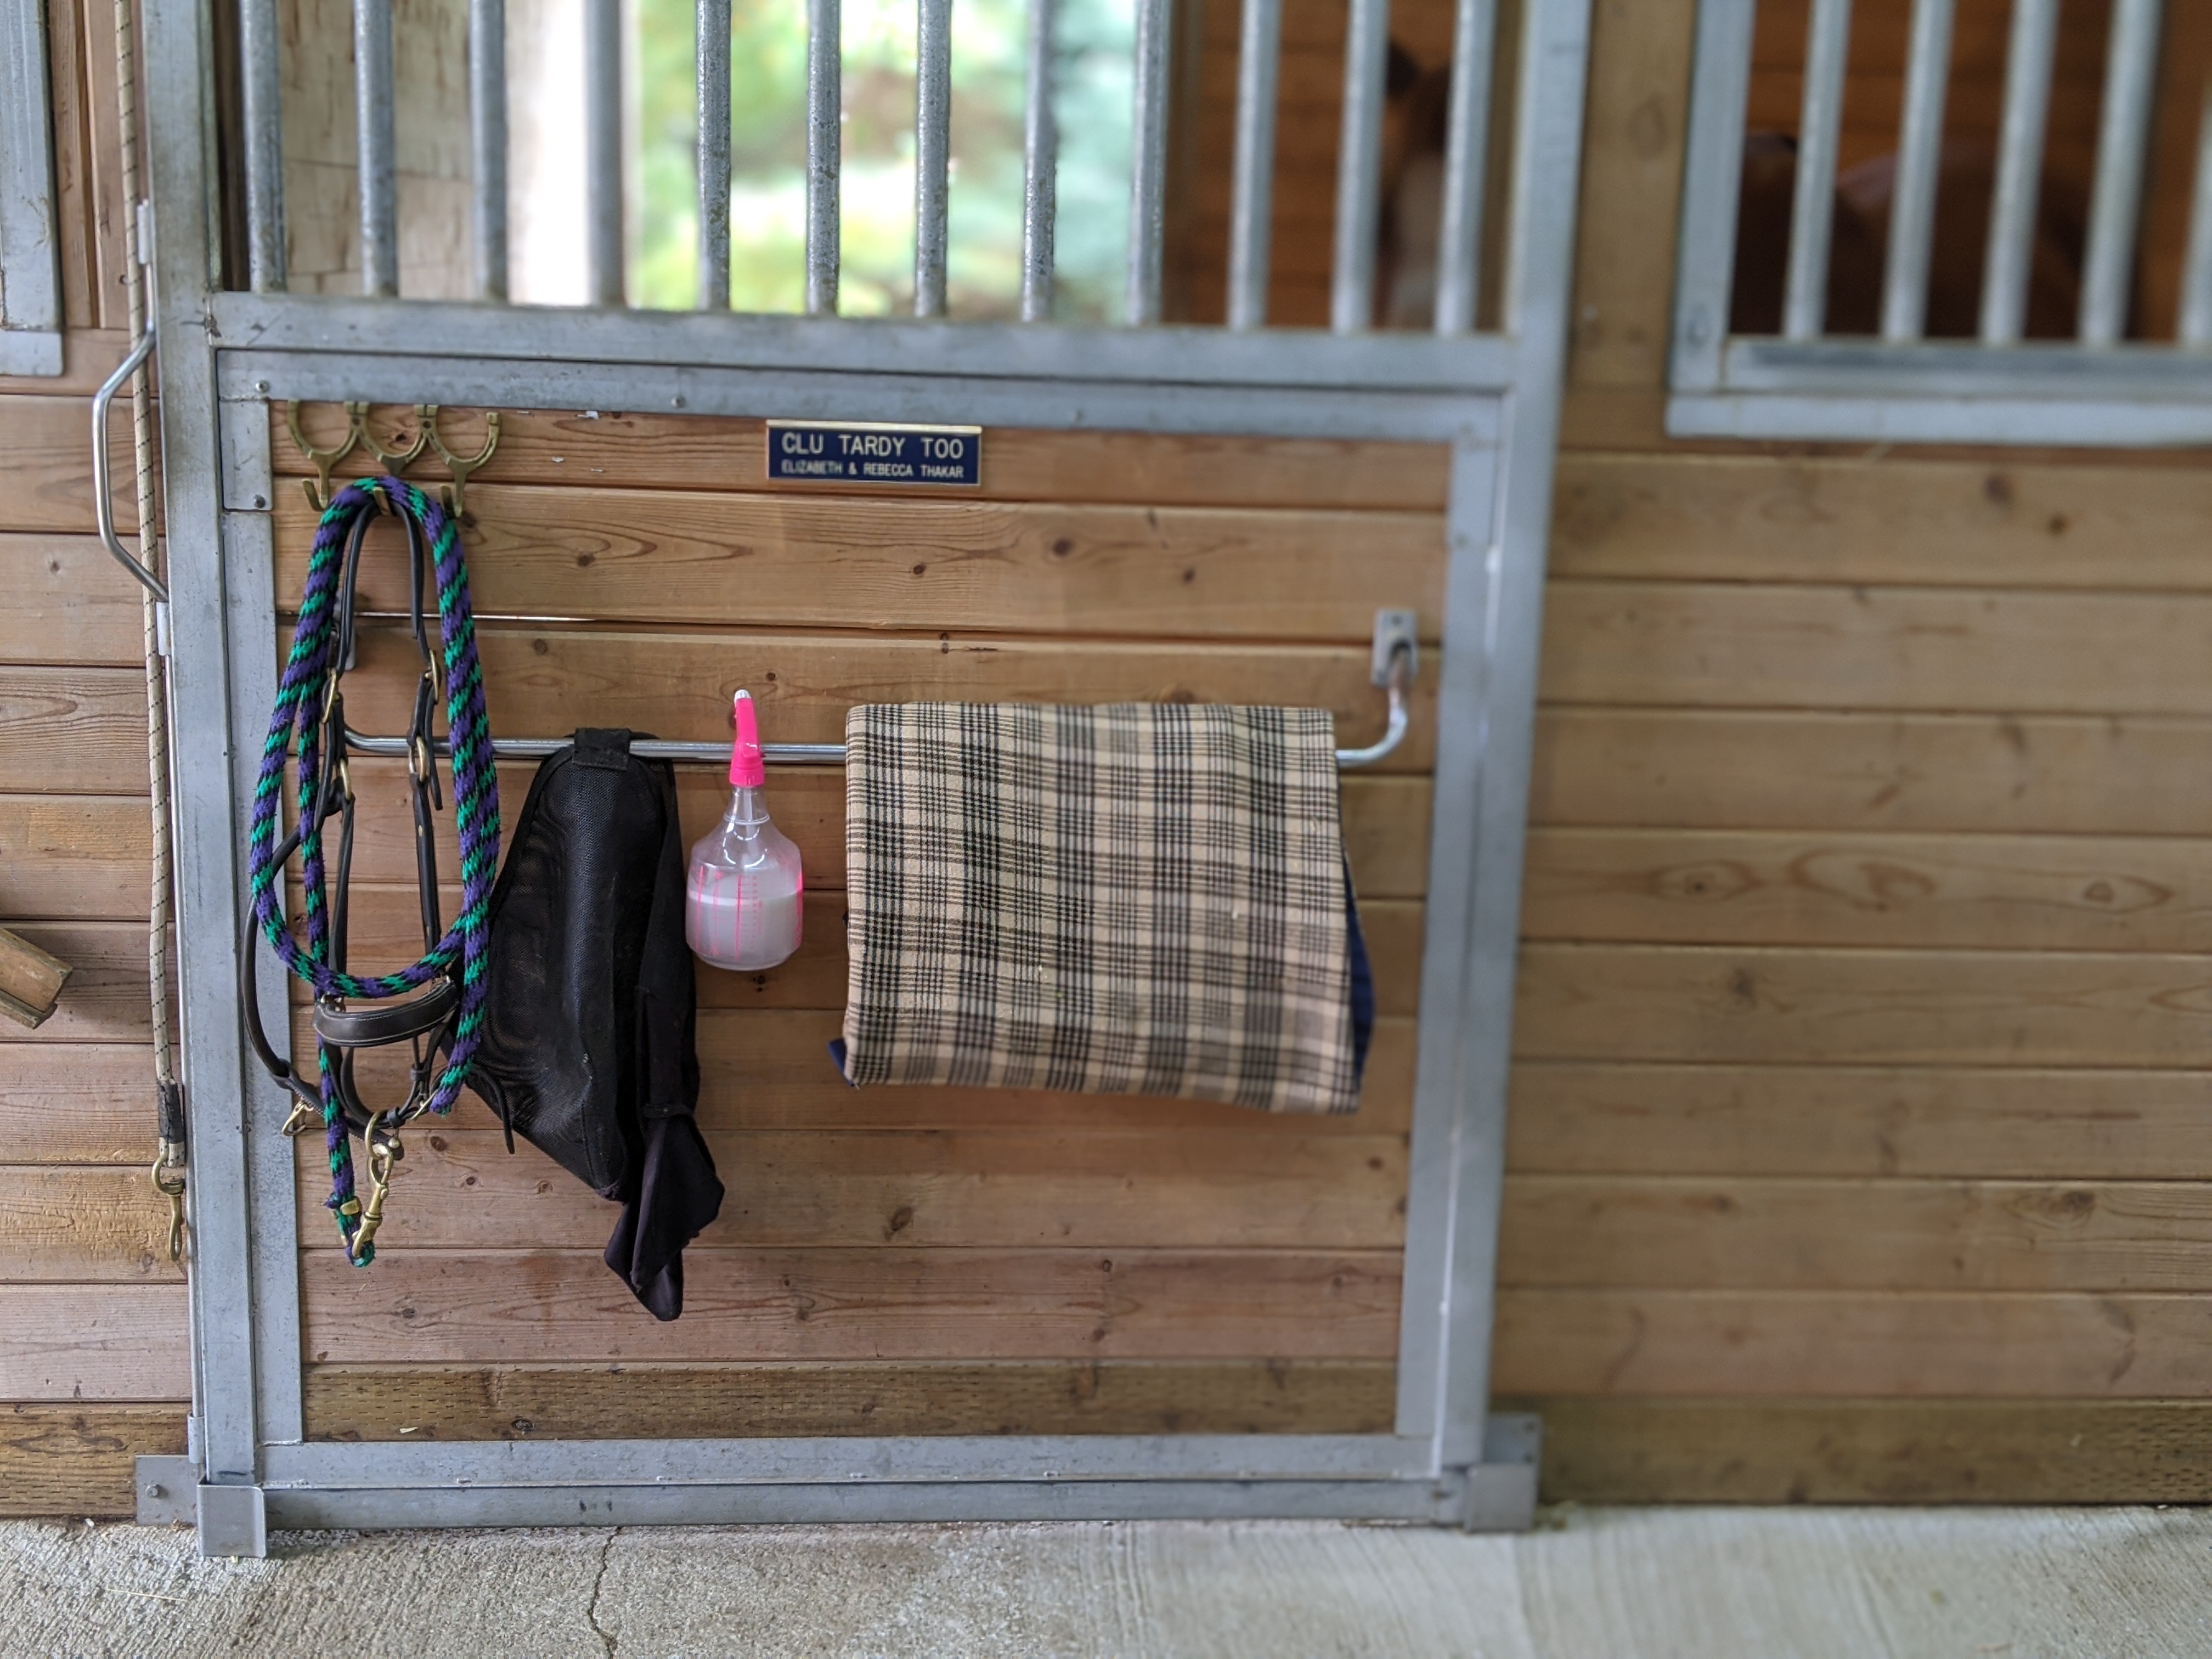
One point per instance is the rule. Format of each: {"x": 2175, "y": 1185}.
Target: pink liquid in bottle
{"x": 745, "y": 899}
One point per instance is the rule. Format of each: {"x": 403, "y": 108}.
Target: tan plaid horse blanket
{"x": 1131, "y": 899}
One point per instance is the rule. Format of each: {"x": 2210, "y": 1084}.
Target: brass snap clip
{"x": 383, "y": 1155}
{"x": 168, "y": 1177}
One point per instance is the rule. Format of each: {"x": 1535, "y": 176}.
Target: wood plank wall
{"x": 1859, "y": 1143}
{"x": 92, "y": 1313}
{"x": 961, "y": 1260}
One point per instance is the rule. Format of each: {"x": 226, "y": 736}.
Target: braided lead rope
{"x": 308, "y": 671}
{"x": 170, "y": 1155}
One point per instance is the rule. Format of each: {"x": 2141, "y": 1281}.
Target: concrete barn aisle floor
{"x": 1702, "y": 1583}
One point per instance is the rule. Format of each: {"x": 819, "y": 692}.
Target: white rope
{"x": 171, "y": 1154}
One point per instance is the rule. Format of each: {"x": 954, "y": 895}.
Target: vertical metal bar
{"x": 176, "y": 70}
{"x": 1919, "y": 157}
{"x": 372, "y": 126}
{"x": 824, "y": 149}
{"x": 1359, "y": 166}
{"x": 933, "y": 150}
{"x": 1252, "y": 201}
{"x": 488, "y": 141}
{"x": 250, "y": 598}
{"x": 30, "y": 269}
{"x": 1704, "y": 259}
{"x": 2010, "y": 260}
{"x": 260, "y": 46}
{"x": 1498, "y": 524}
{"x": 603, "y": 151}
{"x": 1819, "y": 131}
{"x": 1148, "y": 160}
{"x": 714, "y": 77}
{"x": 2197, "y": 270}
{"x": 1467, "y": 162}
{"x": 2116, "y": 205}
{"x": 1040, "y": 166}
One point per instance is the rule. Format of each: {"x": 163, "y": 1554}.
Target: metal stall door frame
{"x": 1493, "y": 398}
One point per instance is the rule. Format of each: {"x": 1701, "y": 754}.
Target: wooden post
{"x": 30, "y": 981}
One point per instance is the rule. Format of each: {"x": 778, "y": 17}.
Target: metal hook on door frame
{"x": 103, "y": 502}
{"x": 325, "y": 461}
{"x": 456, "y": 494}
{"x": 394, "y": 461}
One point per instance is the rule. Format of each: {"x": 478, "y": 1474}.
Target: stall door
{"x": 918, "y": 1303}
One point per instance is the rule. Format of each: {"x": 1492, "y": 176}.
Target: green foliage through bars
{"x": 767, "y": 118}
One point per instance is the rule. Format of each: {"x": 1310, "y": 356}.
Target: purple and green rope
{"x": 300, "y": 693}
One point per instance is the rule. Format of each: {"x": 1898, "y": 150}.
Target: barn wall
{"x": 1859, "y": 1146}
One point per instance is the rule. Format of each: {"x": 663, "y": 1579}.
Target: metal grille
{"x": 1359, "y": 188}
{"x": 1812, "y": 379}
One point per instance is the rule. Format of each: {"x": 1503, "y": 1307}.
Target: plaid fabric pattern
{"x": 1132, "y": 899}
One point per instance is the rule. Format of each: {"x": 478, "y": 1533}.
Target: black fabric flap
{"x": 604, "y": 747}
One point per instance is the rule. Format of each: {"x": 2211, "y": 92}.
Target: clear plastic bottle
{"x": 745, "y": 899}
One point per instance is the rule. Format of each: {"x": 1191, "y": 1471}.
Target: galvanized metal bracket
{"x": 233, "y": 1519}
{"x": 1395, "y": 632}
{"x": 233, "y": 1522}
{"x": 1501, "y": 1490}
{"x": 168, "y": 1491}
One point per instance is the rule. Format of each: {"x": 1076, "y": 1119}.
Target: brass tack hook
{"x": 456, "y": 494}
{"x": 325, "y": 460}
{"x": 394, "y": 461}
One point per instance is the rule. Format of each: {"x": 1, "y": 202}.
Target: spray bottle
{"x": 745, "y": 898}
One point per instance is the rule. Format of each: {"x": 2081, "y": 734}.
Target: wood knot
{"x": 1721, "y": 879}
{"x": 2062, "y": 1205}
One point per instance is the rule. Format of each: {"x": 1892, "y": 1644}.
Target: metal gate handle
{"x": 102, "y": 486}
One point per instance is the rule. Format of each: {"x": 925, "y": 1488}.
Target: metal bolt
{"x": 261, "y": 501}
{"x": 261, "y": 386}
{"x": 155, "y": 1489}
{"x": 676, "y": 403}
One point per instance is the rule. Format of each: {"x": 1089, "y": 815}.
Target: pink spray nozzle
{"x": 746, "y": 771}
